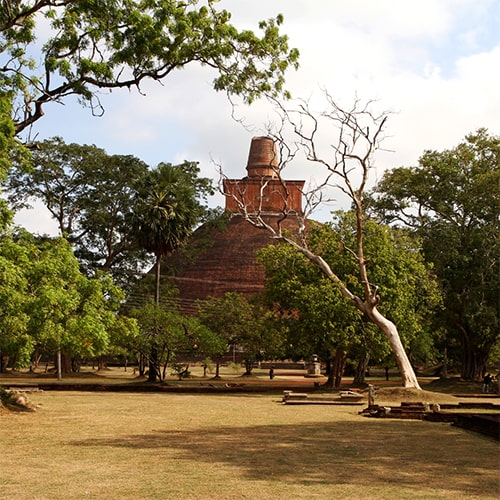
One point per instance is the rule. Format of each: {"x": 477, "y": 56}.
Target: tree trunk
{"x": 248, "y": 368}
{"x": 360, "y": 372}
{"x": 101, "y": 363}
{"x": 65, "y": 363}
{"x": 474, "y": 359}
{"x": 157, "y": 279}
{"x": 141, "y": 365}
{"x": 153, "y": 364}
{"x": 338, "y": 367}
{"x": 330, "y": 382}
{"x": 59, "y": 364}
{"x": 408, "y": 377}
{"x": 154, "y": 368}
{"x": 217, "y": 370}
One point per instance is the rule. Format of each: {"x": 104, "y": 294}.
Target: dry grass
{"x": 181, "y": 446}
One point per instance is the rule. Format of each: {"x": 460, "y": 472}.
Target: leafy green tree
{"x": 91, "y": 195}
{"x": 168, "y": 335}
{"x": 92, "y": 45}
{"x": 263, "y": 338}
{"x": 212, "y": 314}
{"x": 161, "y": 336}
{"x": 169, "y": 205}
{"x": 70, "y": 313}
{"x": 451, "y": 200}
{"x": 328, "y": 326}
{"x": 55, "y": 309}
{"x": 16, "y": 344}
{"x": 250, "y": 329}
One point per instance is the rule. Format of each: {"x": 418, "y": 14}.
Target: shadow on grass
{"x": 410, "y": 453}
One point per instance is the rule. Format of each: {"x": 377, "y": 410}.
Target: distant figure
{"x": 271, "y": 373}
{"x": 486, "y": 383}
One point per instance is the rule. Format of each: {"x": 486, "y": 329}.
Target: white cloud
{"x": 435, "y": 62}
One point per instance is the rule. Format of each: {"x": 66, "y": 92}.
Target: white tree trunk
{"x": 390, "y": 330}
{"x": 408, "y": 376}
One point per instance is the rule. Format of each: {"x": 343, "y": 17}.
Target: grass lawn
{"x": 200, "y": 446}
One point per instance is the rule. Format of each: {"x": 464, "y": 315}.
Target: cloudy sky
{"x": 434, "y": 63}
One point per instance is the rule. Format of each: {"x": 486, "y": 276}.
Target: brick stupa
{"x": 217, "y": 259}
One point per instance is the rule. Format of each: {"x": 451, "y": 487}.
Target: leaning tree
{"x": 343, "y": 142}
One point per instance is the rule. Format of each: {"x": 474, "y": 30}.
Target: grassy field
{"x": 201, "y": 446}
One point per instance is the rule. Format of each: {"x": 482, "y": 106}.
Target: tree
{"x": 263, "y": 338}
{"x": 91, "y": 196}
{"x": 168, "y": 208}
{"x": 354, "y": 135}
{"x": 334, "y": 329}
{"x": 10, "y": 147}
{"x": 216, "y": 315}
{"x": 161, "y": 335}
{"x": 16, "y": 345}
{"x": 450, "y": 200}
{"x": 93, "y": 45}
{"x": 55, "y": 308}
{"x": 252, "y": 330}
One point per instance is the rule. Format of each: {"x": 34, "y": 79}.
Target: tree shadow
{"x": 411, "y": 453}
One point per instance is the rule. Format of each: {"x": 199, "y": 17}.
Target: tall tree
{"x": 333, "y": 328}
{"x": 92, "y": 45}
{"x": 161, "y": 336}
{"x": 451, "y": 199}
{"x": 16, "y": 345}
{"x": 169, "y": 205}
{"x": 354, "y": 136}
{"x": 91, "y": 196}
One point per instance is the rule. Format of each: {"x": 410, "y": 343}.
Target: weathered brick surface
{"x": 215, "y": 262}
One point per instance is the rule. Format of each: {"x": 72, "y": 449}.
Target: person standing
{"x": 486, "y": 383}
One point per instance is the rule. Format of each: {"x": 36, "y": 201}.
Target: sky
{"x": 434, "y": 64}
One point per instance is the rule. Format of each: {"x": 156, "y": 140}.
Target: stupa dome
{"x": 220, "y": 258}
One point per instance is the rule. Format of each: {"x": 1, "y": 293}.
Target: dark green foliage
{"x": 47, "y": 304}
{"x": 324, "y": 320}
{"x": 91, "y": 195}
{"x": 451, "y": 200}
{"x": 253, "y": 331}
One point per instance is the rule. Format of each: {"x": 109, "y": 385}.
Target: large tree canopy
{"x": 47, "y": 305}
{"x": 52, "y": 49}
{"x": 452, "y": 200}
{"x": 90, "y": 195}
{"x": 97, "y": 199}
{"x": 326, "y": 322}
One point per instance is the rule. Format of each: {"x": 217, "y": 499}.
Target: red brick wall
{"x": 265, "y": 195}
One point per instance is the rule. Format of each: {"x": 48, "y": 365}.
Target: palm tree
{"x": 167, "y": 211}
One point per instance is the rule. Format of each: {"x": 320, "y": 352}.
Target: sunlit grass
{"x": 186, "y": 446}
